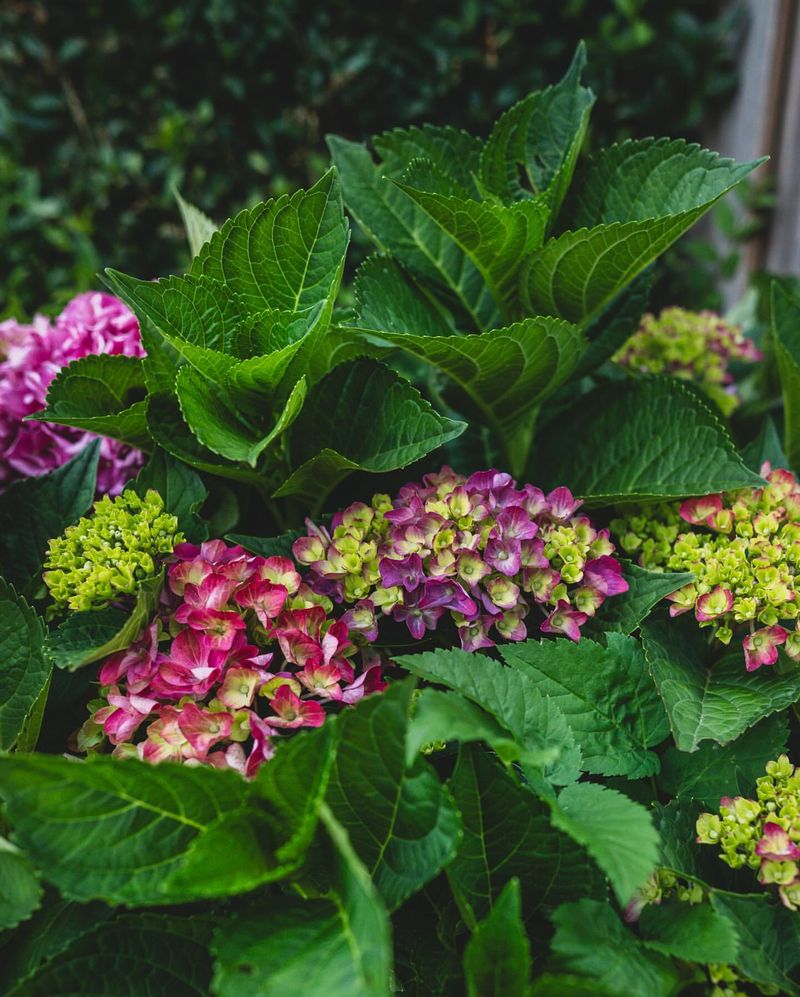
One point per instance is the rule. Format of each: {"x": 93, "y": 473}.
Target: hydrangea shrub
{"x": 262, "y": 734}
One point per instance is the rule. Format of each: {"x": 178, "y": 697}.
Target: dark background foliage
{"x": 104, "y": 106}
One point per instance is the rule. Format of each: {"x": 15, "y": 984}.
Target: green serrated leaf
{"x": 511, "y": 697}
{"x": 497, "y": 959}
{"x": 401, "y": 822}
{"x": 713, "y": 771}
{"x": 542, "y": 134}
{"x": 607, "y": 696}
{"x": 769, "y": 939}
{"x": 181, "y": 489}
{"x": 35, "y": 510}
{"x": 507, "y": 373}
{"x": 447, "y": 716}
{"x": 171, "y": 433}
{"x": 693, "y": 933}
{"x": 397, "y": 225}
{"x": 641, "y": 439}
{"x": 280, "y": 546}
{"x": 632, "y": 202}
{"x": 272, "y": 828}
{"x": 130, "y": 955}
{"x": 24, "y": 666}
{"x": 718, "y": 703}
{"x": 390, "y": 300}
{"x": 591, "y": 941}
{"x": 21, "y": 891}
{"x": 195, "y": 308}
{"x": 285, "y": 253}
{"x": 339, "y": 945}
{"x": 141, "y": 834}
{"x": 49, "y": 932}
{"x": 94, "y": 393}
{"x": 362, "y": 416}
{"x": 615, "y": 324}
{"x": 199, "y": 227}
{"x": 454, "y": 152}
{"x": 785, "y": 325}
{"x": 496, "y": 238}
{"x": 624, "y": 613}
{"x": 617, "y": 833}
{"x": 766, "y": 446}
{"x": 84, "y": 638}
{"x": 508, "y": 833}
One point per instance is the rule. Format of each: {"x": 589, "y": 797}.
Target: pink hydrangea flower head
{"x": 225, "y": 669}
{"x": 31, "y": 356}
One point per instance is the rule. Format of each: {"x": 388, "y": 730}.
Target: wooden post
{"x": 764, "y": 120}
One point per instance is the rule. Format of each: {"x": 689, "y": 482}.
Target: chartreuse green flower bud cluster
{"x": 109, "y": 553}
{"x": 762, "y": 834}
{"x": 695, "y": 346}
{"x": 743, "y": 549}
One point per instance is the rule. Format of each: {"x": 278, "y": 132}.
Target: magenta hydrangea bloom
{"x": 30, "y": 357}
{"x": 479, "y": 551}
{"x": 240, "y": 653}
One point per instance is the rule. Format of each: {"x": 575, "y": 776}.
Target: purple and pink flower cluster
{"x": 479, "y": 549}
{"x": 240, "y": 652}
{"x": 30, "y": 357}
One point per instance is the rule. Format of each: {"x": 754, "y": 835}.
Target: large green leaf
{"x": 51, "y": 929}
{"x": 454, "y": 152}
{"x": 222, "y": 427}
{"x": 634, "y": 200}
{"x": 694, "y": 933}
{"x": 284, "y": 253}
{"x": 497, "y": 960}
{"x": 199, "y": 227}
{"x": 84, "y": 638}
{"x": 506, "y": 373}
{"x": 617, "y": 833}
{"x": 769, "y": 939}
{"x": 640, "y": 439}
{"x": 339, "y": 945}
{"x": 138, "y": 834}
{"x": 615, "y": 324}
{"x": 785, "y": 324}
{"x": 396, "y": 224}
{"x": 271, "y": 831}
{"x": 362, "y": 416}
{"x": 625, "y": 612}
{"x": 21, "y": 891}
{"x": 447, "y": 716}
{"x": 607, "y": 696}
{"x": 508, "y": 833}
{"x": 715, "y": 703}
{"x": 591, "y": 941}
{"x": 101, "y": 394}
{"x": 35, "y": 510}
{"x": 541, "y": 135}
{"x": 181, "y": 489}
{"x": 388, "y": 299}
{"x": 131, "y": 955}
{"x": 713, "y": 770}
{"x": 24, "y": 667}
{"x": 196, "y": 308}
{"x": 494, "y": 237}
{"x": 400, "y": 820}
{"x": 171, "y": 433}
{"x": 511, "y": 696}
